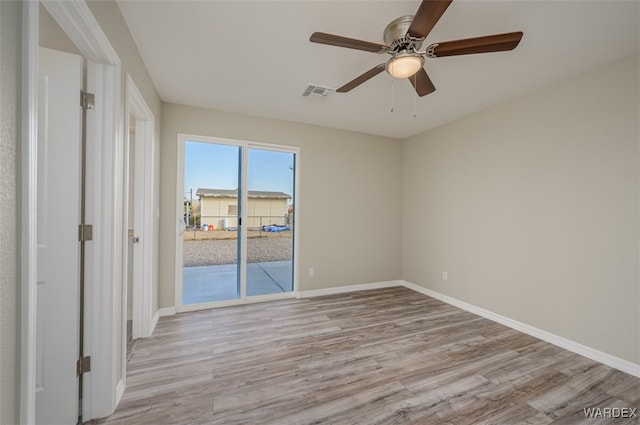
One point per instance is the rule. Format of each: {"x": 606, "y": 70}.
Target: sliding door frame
{"x": 242, "y": 230}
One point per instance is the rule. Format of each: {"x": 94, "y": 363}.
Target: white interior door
{"x": 58, "y": 212}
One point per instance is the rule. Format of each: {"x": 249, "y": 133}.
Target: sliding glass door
{"x": 210, "y": 240}
{"x": 237, "y": 209}
{"x": 270, "y": 224}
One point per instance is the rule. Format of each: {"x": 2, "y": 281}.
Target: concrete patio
{"x": 220, "y": 282}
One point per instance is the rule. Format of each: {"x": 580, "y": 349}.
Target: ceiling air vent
{"x": 314, "y": 91}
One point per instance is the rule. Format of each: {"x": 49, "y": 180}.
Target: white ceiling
{"x": 255, "y": 58}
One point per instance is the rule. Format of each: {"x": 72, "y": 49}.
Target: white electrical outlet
{"x": 312, "y": 271}
{"x": 445, "y": 276}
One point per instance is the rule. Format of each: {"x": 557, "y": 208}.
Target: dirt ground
{"x": 214, "y": 248}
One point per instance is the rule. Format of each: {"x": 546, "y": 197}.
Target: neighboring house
{"x": 219, "y": 207}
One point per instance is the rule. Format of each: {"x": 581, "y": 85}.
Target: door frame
{"x": 144, "y": 153}
{"x": 104, "y": 204}
{"x": 178, "y": 278}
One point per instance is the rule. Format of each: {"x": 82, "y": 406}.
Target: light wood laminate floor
{"x": 388, "y": 356}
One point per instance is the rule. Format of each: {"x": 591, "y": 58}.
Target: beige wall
{"x": 532, "y": 207}
{"x": 344, "y": 231}
{"x": 10, "y": 41}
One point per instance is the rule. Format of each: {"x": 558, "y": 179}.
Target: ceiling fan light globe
{"x": 404, "y": 66}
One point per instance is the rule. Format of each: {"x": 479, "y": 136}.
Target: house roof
{"x": 227, "y": 193}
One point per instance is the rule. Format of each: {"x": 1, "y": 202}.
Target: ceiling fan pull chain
{"x": 393, "y": 85}
{"x": 415, "y": 98}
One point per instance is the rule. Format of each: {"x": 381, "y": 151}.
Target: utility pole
{"x": 191, "y": 206}
{"x": 188, "y": 212}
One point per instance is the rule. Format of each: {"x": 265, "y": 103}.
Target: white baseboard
{"x": 164, "y": 311}
{"x": 350, "y": 288}
{"x": 591, "y": 353}
{"x": 119, "y": 391}
{"x": 154, "y": 322}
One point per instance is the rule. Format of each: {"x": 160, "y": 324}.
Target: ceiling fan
{"x": 404, "y": 37}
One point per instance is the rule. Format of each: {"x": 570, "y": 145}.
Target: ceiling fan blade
{"x": 422, "y": 83}
{"x": 361, "y": 79}
{"x": 350, "y": 43}
{"x": 486, "y": 44}
{"x": 428, "y": 14}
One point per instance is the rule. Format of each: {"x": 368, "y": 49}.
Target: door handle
{"x": 136, "y": 239}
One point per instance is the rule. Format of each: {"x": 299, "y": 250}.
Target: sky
{"x": 214, "y": 166}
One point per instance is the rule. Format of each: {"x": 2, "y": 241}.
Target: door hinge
{"x": 85, "y": 232}
{"x": 83, "y": 365}
{"x": 87, "y": 100}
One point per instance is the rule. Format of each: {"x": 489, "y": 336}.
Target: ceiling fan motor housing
{"x": 396, "y": 37}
